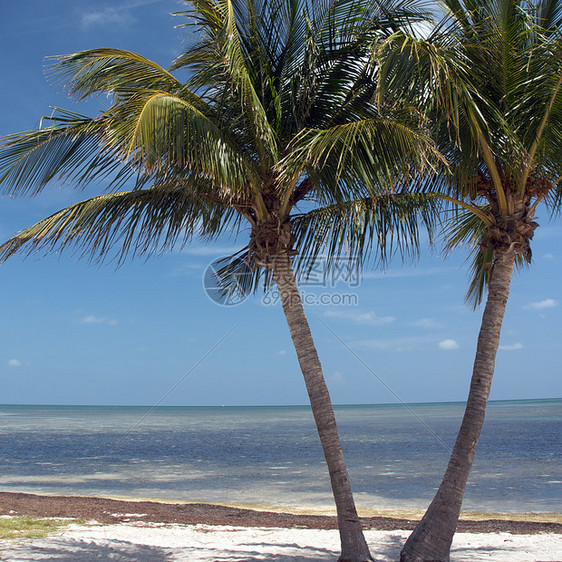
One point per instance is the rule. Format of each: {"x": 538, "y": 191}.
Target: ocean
{"x": 270, "y": 456}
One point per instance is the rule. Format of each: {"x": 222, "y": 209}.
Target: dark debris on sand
{"x": 106, "y": 510}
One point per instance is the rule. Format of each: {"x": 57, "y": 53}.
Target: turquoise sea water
{"x": 396, "y": 454}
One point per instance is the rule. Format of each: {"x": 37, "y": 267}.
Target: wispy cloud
{"x": 425, "y": 323}
{"x": 106, "y": 16}
{"x": 188, "y": 270}
{"x": 358, "y": 317}
{"x": 336, "y": 376}
{"x": 14, "y": 363}
{"x": 210, "y": 250}
{"x": 511, "y": 347}
{"x": 98, "y": 320}
{"x": 118, "y": 13}
{"x": 410, "y": 343}
{"x": 539, "y": 305}
{"x": 448, "y": 344}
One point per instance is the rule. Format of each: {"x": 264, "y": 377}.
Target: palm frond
{"x": 165, "y": 131}
{"x": 113, "y": 71}
{"x": 372, "y": 228}
{"x": 138, "y": 222}
{"x": 374, "y": 152}
{"x": 465, "y": 229}
{"x": 221, "y": 49}
{"x": 72, "y": 149}
{"x": 237, "y": 276}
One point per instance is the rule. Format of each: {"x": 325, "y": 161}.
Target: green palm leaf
{"x": 372, "y": 228}
{"x": 165, "y": 131}
{"x": 135, "y": 222}
{"x": 368, "y": 152}
{"x": 114, "y": 71}
{"x": 223, "y": 55}
{"x": 73, "y": 149}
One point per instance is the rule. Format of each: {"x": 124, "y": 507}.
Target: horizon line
{"x": 267, "y": 405}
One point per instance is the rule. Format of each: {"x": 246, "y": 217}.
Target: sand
{"x": 154, "y": 542}
{"x": 131, "y": 531}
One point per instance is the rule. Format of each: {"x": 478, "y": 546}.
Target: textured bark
{"x": 431, "y": 539}
{"x": 353, "y": 544}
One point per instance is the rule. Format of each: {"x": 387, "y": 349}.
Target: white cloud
{"x": 360, "y": 317}
{"x": 539, "y": 305}
{"x": 282, "y": 352}
{"x": 97, "y": 320}
{"x": 448, "y": 344}
{"x": 548, "y": 256}
{"x": 511, "y": 347}
{"x": 106, "y": 16}
{"x": 14, "y": 363}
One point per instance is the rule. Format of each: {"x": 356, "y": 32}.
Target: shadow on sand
{"x": 69, "y": 549}
{"x": 73, "y": 550}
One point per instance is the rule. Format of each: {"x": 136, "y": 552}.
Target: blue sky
{"x": 75, "y": 333}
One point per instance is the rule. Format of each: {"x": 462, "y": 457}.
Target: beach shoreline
{"x": 118, "y": 510}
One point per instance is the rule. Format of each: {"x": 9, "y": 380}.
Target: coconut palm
{"x": 275, "y": 128}
{"x": 502, "y": 133}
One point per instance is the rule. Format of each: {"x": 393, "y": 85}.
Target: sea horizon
{"x": 306, "y": 406}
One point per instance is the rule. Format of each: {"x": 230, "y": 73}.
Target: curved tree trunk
{"x": 353, "y": 544}
{"x": 431, "y": 539}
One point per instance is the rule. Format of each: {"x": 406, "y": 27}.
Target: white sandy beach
{"x": 205, "y": 543}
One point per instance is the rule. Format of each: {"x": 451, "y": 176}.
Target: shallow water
{"x": 396, "y": 454}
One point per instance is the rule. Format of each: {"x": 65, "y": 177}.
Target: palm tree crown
{"x": 505, "y": 149}
{"x": 274, "y": 112}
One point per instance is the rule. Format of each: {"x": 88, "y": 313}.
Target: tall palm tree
{"x": 275, "y": 128}
{"x": 502, "y": 135}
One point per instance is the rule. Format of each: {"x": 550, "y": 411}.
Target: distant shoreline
{"x": 112, "y": 511}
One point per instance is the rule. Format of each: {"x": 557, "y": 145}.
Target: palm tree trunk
{"x": 431, "y": 539}
{"x": 353, "y": 544}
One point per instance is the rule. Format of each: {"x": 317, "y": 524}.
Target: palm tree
{"x": 501, "y": 133}
{"x": 275, "y": 128}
